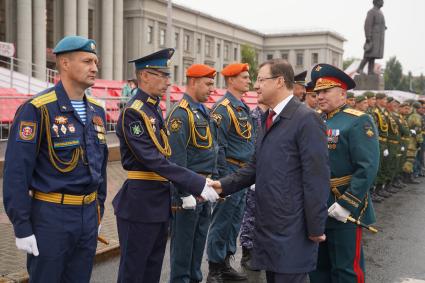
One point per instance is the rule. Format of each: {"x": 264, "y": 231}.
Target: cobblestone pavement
{"x": 12, "y": 261}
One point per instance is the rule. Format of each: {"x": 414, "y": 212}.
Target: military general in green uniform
{"x": 354, "y": 156}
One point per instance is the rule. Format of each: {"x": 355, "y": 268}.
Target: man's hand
{"x": 216, "y": 185}
{"x": 386, "y": 153}
{"x": 28, "y": 244}
{"x": 209, "y": 194}
{"x": 189, "y": 202}
{"x": 318, "y": 239}
{"x": 338, "y": 212}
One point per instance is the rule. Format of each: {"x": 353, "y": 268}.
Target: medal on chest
{"x": 153, "y": 120}
{"x": 333, "y": 137}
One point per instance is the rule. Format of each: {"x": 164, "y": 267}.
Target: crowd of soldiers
{"x": 55, "y": 147}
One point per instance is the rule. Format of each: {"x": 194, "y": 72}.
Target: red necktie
{"x": 269, "y": 120}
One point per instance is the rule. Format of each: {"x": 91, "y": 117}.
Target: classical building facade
{"x": 127, "y": 29}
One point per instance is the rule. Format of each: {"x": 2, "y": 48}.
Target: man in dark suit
{"x": 291, "y": 172}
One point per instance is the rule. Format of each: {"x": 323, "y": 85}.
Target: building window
{"x": 235, "y": 53}
{"x": 149, "y": 35}
{"x": 161, "y": 37}
{"x": 300, "y": 59}
{"x": 314, "y": 58}
{"x": 176, "y": 40}
{"x": 284, "y": 56}
{"x": 226, "y": 52}
{"x": 218, "y": 50}
{"x": 208, "y": 48}
{"x": 269, "y": 56}
{"x": 198, "y": 45}
{"x": 186, "y": 43}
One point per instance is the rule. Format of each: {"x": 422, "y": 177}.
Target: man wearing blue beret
{"x": 354, "y": 159}
{"x": 54, "y": 182}
{"x": 143, "y": 204}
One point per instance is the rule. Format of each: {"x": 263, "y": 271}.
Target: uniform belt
{"x": 393, "y": 141}
{"x": 144, "y": 175}
{"x": 206, "y": 175}
{"x": 65, "y": 198}
{"x": 382, "y": 139}
{"x": 338, "y": 182}
{"x": 236, "y": 162}
{"x": 405, "y": 139}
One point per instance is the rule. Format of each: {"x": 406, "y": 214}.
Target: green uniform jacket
{"x": 353, "y": 151}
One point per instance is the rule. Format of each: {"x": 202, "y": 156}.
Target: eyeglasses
{"x": 262, "y": 80}
{"x": 162, "y": 76}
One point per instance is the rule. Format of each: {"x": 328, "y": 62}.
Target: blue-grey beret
{"x": 74, "y": 43}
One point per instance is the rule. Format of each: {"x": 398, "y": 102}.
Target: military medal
{"x": 333, "y": 137}
{"x": 61, "y": 120}
{"x": 71, "y": 128}
{"x": 55, "y": 129}
{"x": 63, "y": 129}
{"x": 98, "y": 124}
{"x": 152, "y": 120}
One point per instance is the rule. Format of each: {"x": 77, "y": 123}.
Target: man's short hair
{"x": 281, "y": 67}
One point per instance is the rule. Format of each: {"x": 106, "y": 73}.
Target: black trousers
{"x": 273, "y": 277}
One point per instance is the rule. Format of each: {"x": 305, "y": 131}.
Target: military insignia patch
{"x": 175, "y": 125}
{"x": 368, "y": 130}
{"x": 217, "y": 118}
{"x": 27, "y": 131}
{"x": 318, "y": 68}
{"x": 136, "y": 128}
{"x": 55, "y": 129}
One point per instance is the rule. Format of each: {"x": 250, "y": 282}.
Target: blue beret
{"x": 75, "y": 43}
{"x": 159, "y": 60}
{"x": 326, "y": 76}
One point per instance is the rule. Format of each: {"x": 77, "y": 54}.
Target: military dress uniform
{"x": 54, "y": 182}
{"x": 353, "y": 156}
{"x": 415, "y": 124}
{"x": 236, "y": 147}
{"x": 394, "y": 148}
{"x": 194, "y": 145}
{"x": 143, "y": 204}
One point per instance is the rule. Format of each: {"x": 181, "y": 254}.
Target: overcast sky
{"x": 405, "y": 36}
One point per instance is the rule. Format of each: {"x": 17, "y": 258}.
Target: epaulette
{"x": 353, "y": 112}
{"x": 94, "y": 101}
{"x": 44, "y": 99}
{"x": 225, "y": 102}
{"x": 183, "y": 104}
{"x": 137, "y": 104}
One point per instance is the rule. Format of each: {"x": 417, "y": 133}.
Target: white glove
{"x": 98, "y": 229}
{"x": 338, "y": 212}
{"x": 386, "y": 152}
{"x": 189, "y": 202}
{"x": 28, "y": 244}
{"x": 252, "y": 188}
{"x": 413, "y": 131}
{"x": 402, "y": 148}
{"x": 209, "y": 194}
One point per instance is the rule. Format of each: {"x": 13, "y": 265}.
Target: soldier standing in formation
{"x": 194, "y": 146}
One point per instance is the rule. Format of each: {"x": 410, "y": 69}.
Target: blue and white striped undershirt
{"x": 80, "y": 107}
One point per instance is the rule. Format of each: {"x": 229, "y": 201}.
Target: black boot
{"x": 396, "y": 184}
{"x": 408, "y": 179}
{"x": 399, "y": 181}
{"x": 381, "y": 192}
{"x": 215, "y": 272}
{"x": 246, "y": 259}
{"x": 376, "y": 198}
{"x": 390, "y": 189}
{"x": 229, "y": 273}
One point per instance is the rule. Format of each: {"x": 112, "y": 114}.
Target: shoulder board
{"x": 225, "y": 102}
{"x": 183, "y": 103}
{"x": 94, "y": 101}
{"x": 353, "y": 112}
{"x": 44, "y": 99}
{"x": 137, "y": 104}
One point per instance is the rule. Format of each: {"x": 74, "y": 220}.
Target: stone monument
{"x": 373, "y": 48}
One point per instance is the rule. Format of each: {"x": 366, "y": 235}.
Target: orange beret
{"x": 200, "y": 71}
{"x": 232, "y": 70}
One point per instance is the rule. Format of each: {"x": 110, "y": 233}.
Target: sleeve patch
{"x": 368, "y": 130}
{"x": 175, "y": 124}
{"x": 27, "y": 131}
{"x": 136, "y": 128}
{"x": 217, "y": 118}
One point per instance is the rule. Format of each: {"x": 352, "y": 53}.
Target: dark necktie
{"x": 269, "y": 120}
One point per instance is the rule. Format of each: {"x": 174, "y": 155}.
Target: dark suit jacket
{"x": 291, "y": 175}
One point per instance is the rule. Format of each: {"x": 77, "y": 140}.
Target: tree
{"x": 419, "y": 84}
{"x": 393, "y": 75}
{"x": 249, "y": 55}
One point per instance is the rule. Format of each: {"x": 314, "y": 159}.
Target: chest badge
{"x": 61, "y": 120}
{"x": 333, "y": 137}
{"x": 55, "y": 129}
{"x": 63, "y": 129}
{"x": 71, "y": 128}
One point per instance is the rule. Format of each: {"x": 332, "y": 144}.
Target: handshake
{"x": 209, "y": 193}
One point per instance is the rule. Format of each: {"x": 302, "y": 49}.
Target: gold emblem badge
{"x": 318, "y": 68}
{"x": 175, "y": 125}
{"x": 369, "y": 133}
{"x": 92, "y": 46}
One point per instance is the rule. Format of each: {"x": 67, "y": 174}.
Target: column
{"x": 39, "y": 28}
{"x": 202, "y": 49}
{"x": 118, "y": 38}
{"x": 83, "y": 18}
{"x": 107, "y": 43}
{"x": 24, "y": 36}
{"x": 70, "y": 17}
{"x": 221, "y": 63}
{"x": 155, "y": 36}
{"x": 181, "y": 75}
